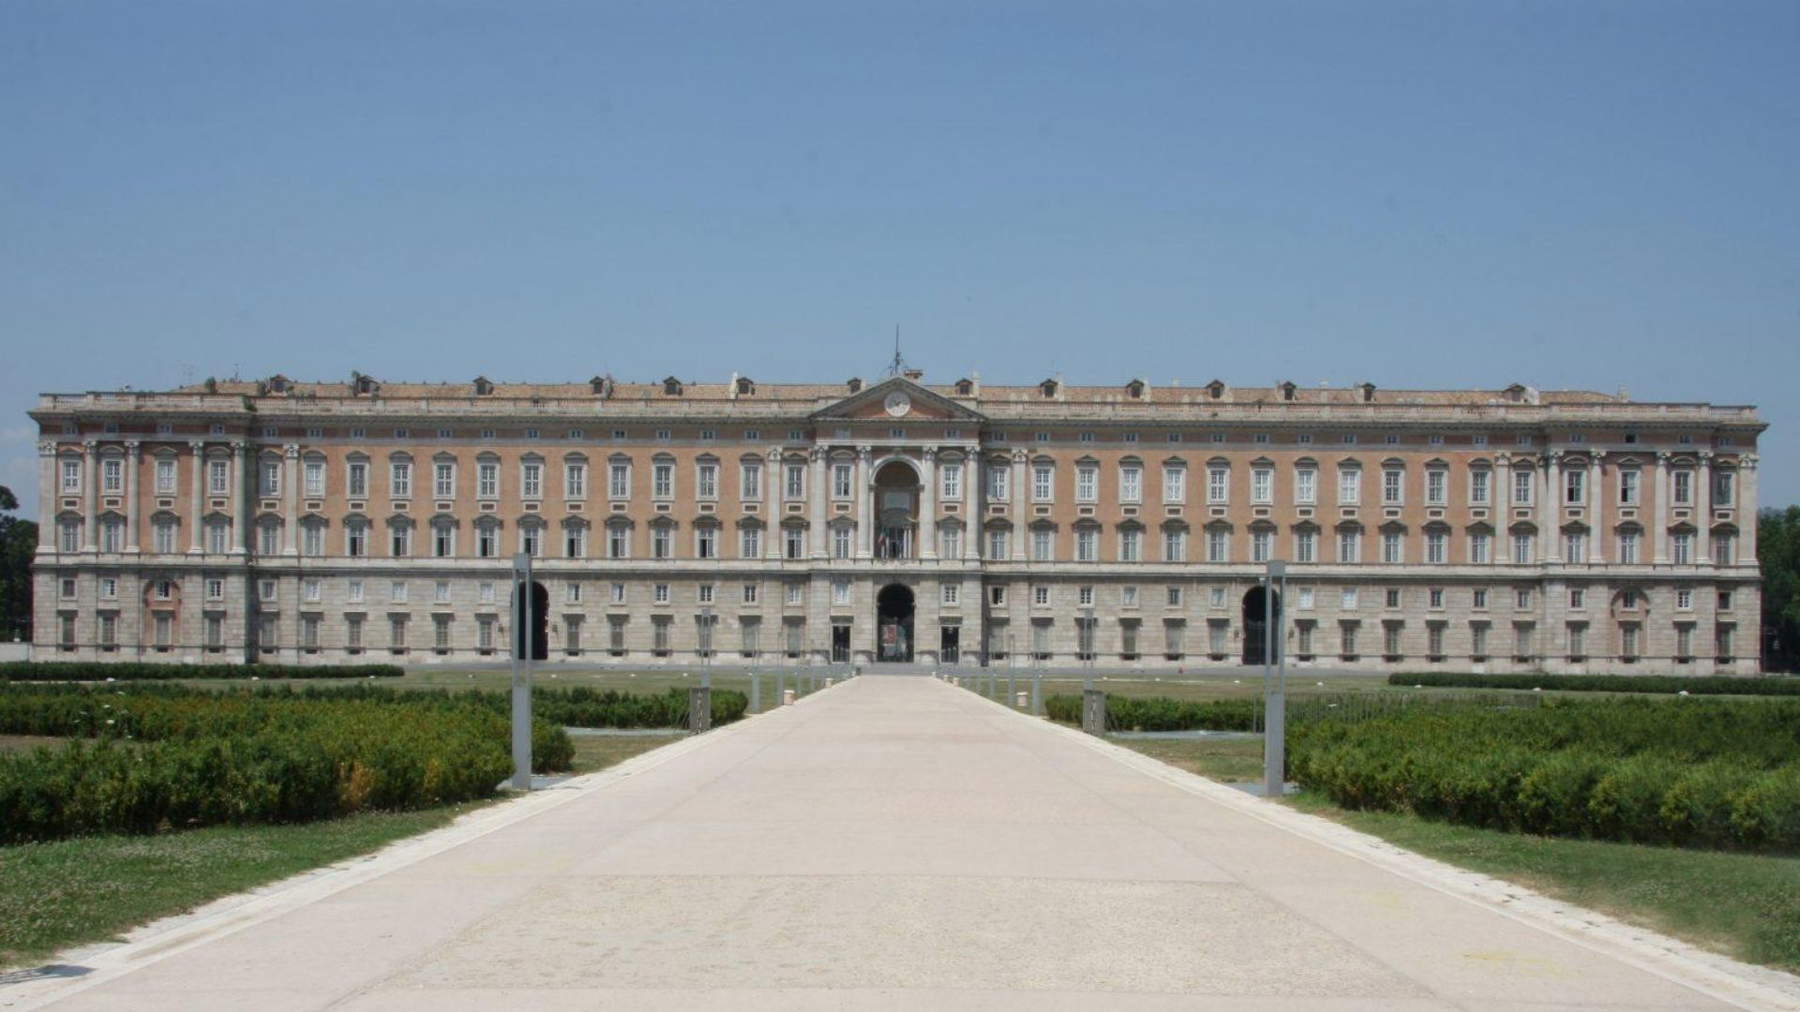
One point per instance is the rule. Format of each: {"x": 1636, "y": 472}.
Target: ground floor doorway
{"x": 894, "y": 624}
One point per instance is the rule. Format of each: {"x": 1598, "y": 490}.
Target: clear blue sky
{"x": 1583, "y": 194}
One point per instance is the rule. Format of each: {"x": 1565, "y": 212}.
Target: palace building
{"x": 331, "y": 522}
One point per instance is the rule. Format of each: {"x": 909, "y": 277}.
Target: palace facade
{"x": 301, "y": 523}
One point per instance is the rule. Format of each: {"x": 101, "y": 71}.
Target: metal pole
{"x": 1275, "y": 723}
{"x": 1087, "y": 640}
{"x": 755, "y": 692}
{"x": 706, "y": 651}
{"x": 523, "y": 626}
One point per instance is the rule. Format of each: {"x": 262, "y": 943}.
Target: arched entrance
{"x": 897, "y": 511}
{"x": 540, "y": 623}
{"x": 894, "y": 623}
{"x": 1255, "y": 628}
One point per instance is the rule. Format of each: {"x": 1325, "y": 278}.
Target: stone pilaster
{"x": 817, "y": 493}
{"x": 241, "y": 477}
{"x": 131, "y": 495}
{"x": 1746, "y": 509}
{"x": 865, "y": 503}
{"x": 1550, "y": 509}
{"x": 196, "y": 494}
{"x": 90, "y": 486}
{"x": 928, "y": 503}
{"x": 1596, "y": 511}
{"x": 290, "y": 471}
{"x": 1703, "y": 510}
{"x": 1016, "y": 490}
{"x": 48, "y": 486}
{"x": 1659, "y": 534}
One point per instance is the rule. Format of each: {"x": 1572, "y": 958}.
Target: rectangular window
{"x": 1217, "y": 484}
{"x": 400, "y": 541}
{"x": 1347, "y": 599}
{"x": 1392, "y": 487}
{"x": 618, "y": 481}
{"x": 1306, "y": 546}
{"x": 1087, "y": 544}
{"x": 662, "y": 480}
{"x": 840, "y": 591}
{"x": 706, "y": 481}
{"x": 1480, "y": 490}
{"x": 796, "y": 482}
{"x": 1349, "y": 546}
{"x": 531, "y": 480}
{"x": 356, "y": 540}
{"x": 357, "y": 483}
{"x": 840, "y": 542}
{"x": 575, "y": 541}
{"x": 1681, "y": 549}
{"x": 997, "y": 475}
{"x": 1174, "y": 545}
{"x": 400, "y": 480}
{"x": 71, "y": 476}
{"x": 1261, "y": 545}
{"x": 443, "y": 480}
{"x": 1349, "y": 486}
{"x": 1087, "y": 484}
{"x": 951, "y": 477}
{"x": 841, "y": 481}
{"x": 1723, "y": 484}
{"x": 793, "y": 543}
{"x": 1392, "y": 548}
{"x": 1478, "y": 639}
{"x": 1574, "y": 487}
{"x": 312, "y": 539}
{"x": 1437, "y": 487}
{"x": 1522, "y": 598}
{"x": 997, "y": 545}
{"x": 1130, "y": 546}
{"x": 1522, "y": 482}
{"x": 1628, "y": 488}
{"x": 1574, "y": 547}
{"x": 575, "y": 479}
{"x": 1684, "y": 488}
{"x": 271, "y": 478}
{"x": 112, "y": 471}
{"x": 1306, "y": 486}
{"x": 750, "y": 543}
{"x": 1479, "y": 549}
{"x": 1521, "y": 545}
{"x": 662, "y": 543}
{"x": 1040, "y": 595}
{"x": 950, "y": 542}
{"x": 1437, "y": 547}
{"x": 1174, "y": 484}
{"x": 1043, "y": 479}
{"x": 165, "y": 476}
{"x": 1131, "y": 484}
{"x": 1628, "y": 549}
{"x": 750, "y": 481}
{"x": 1217, "y": 545}
{"x": 1262, "y": 485}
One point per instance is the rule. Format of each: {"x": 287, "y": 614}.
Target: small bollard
{"x": 700, "y": 709}
{"x": 1093, "y": 711}
{"x": 787, "y": 697}
{"x": 1022, "y": 700}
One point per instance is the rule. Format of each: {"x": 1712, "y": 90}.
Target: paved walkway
{"x": 891, "y": 843}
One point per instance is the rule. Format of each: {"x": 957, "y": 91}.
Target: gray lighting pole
{"x": 706, "y": 650}
{"x": 1087, "y": 641}
{"x": 523, "y": 626}
{"x": 1274, "y": 690}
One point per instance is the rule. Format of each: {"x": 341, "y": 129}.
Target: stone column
{"x": 817, "y": 493}
{"x": 90, "y": 519}
{"x": 48, "y": 486}
{"x": 1597, "y": 511}
{"x": 1703, "y": 510}
{"x": 131, "y": 496}
{"x": 241, "y": 476}
{"x": 196, "y": 488}
{"x": 1550, "y": 509}
{"x": 1016, "y": 489}
{"x": 1659, "y": 534}
{"x": 928, "y": 503}
{"x": 772, "y": 495}
{"x": 1746, "y": 509}
{"x": 290, "y": 477}
{"x": 865, "y": 503}
{"x": 1500, "y": 496}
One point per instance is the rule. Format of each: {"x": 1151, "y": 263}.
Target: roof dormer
{"x": 854, "y": 384}
{"x": 1288, "y": 389}
{"x": 1136, "y": 389}
{"x": 1215, "y": 389}
{"x": 671, "y": 387}
{"x": 483, "y": 386}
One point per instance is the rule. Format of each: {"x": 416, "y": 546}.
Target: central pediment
{"x": 898, "y": 399}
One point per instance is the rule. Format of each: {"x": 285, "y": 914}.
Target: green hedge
{"x": 84, "y": 671}
{"x": 1130, "y": 713}
{"x": 572, "y": 707}
{"x": 174, "y": 759}
{"x": 1710, "y": 773}
{"x": 1703, "y": 685}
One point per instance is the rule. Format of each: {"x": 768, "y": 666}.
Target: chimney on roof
{"x": 914, "y": 374}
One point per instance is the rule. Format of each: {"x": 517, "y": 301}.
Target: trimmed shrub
{"x": 1710, "y": 773}
{"x": 131, "y": 671}
{"x": 1160, "y": 713}
{"x": 1703, "y": 685}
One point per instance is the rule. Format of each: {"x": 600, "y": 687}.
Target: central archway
{"x": 894, "y": 623}
{"x": 1255, "y": 627}
{"x": 896, "y": 510}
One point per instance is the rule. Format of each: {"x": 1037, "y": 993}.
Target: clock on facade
{"x": 898, "y": 404}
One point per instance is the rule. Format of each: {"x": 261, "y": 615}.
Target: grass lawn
{"x": 595, "y": 752}
{"x": 1227, "y": 760}
{"x": 1743, "y": 905}
{"x": 27, "y": 742}
{"x": 73, "y": 892}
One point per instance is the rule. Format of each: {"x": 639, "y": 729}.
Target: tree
{"x": 1778, "y": 552}
{"x": 18, "y": 543}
